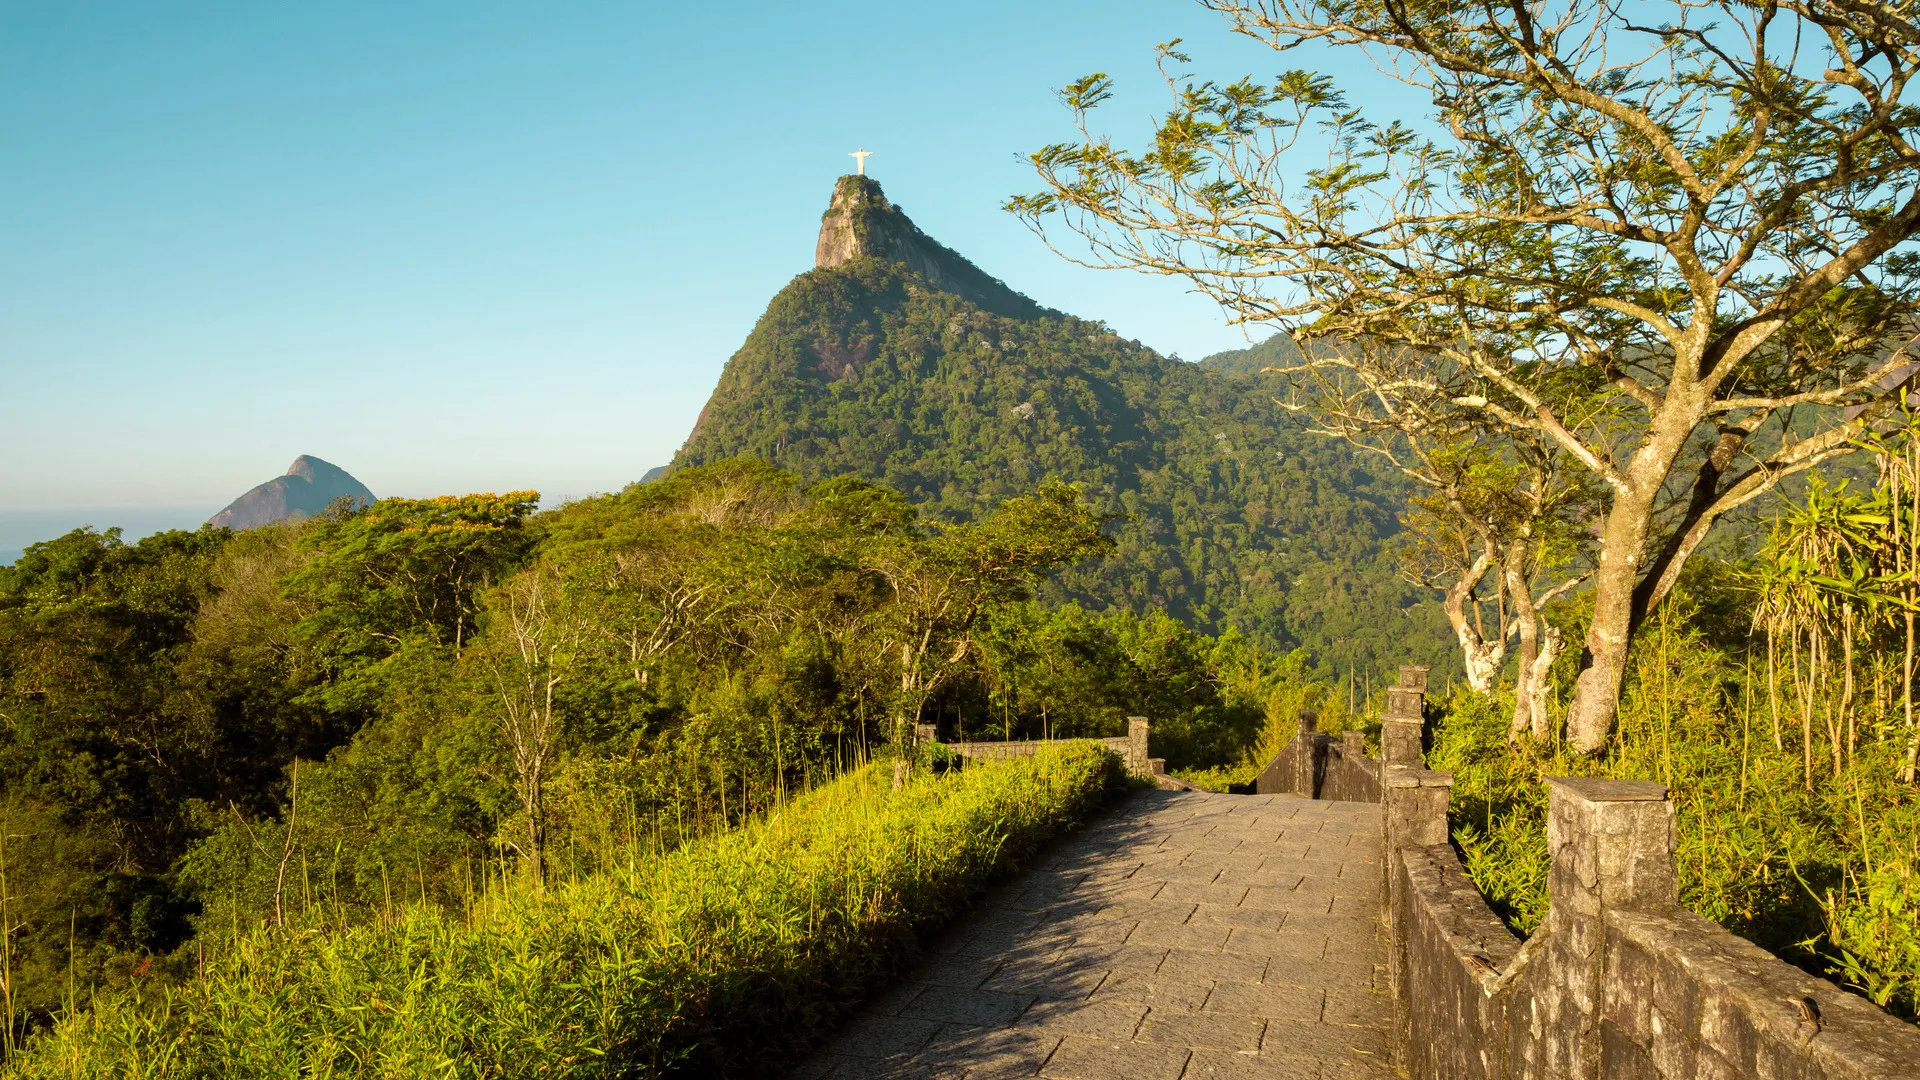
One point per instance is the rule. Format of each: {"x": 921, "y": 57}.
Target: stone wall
{"x": 1619, "y": 981}
{"x": 1318, "y": 766}
{"x": 1347, "y": 773}
{"x": 1132, "y": 747}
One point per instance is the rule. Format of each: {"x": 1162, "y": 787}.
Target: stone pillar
{"x": 924, "y": 734}
{"x": 1137, "y": 760}
{"x": 1416, "y": 817}
{"x": 1353, "y": 757}
{"x": 1416, "y": 806}
{"x": 1612, "y": 847}
{"x": 1405, "y": 719}
{"x": 1306, "y": 759}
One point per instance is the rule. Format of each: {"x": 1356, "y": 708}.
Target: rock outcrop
{"x": 309, "y": 486}
{"x": 861, "y": 222}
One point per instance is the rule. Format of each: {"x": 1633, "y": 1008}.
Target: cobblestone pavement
{"x": 1185, "y": 936}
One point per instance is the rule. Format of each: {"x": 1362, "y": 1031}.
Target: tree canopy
{"x": 1667, "y": 238}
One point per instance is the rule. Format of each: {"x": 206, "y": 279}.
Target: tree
{"x": 1664, "y": 237}
{"x": 1490, "y": 507}
{"x": 534, "y": 640}
{"x": 397, "y": 568}
{"x": 942, "y": 586}
{"x": 1511, "y": 517}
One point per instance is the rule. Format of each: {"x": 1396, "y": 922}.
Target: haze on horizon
{"x": 466, "y": 247}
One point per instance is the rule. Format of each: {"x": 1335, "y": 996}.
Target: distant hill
{"x": 898, "y": 360}
{"x": 1277, "y": 351}
{"x": 309, "y": 486}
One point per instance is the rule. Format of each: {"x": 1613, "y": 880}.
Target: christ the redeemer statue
{"x": 861, "y": 156}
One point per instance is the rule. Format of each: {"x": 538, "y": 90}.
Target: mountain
{"x": 897, "y": 359}
{"x": 309, "y": 486}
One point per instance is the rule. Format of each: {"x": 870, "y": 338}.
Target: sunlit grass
{"x": 722, "y": 958}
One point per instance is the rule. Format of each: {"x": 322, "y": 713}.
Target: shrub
{"x": 721, "y": 959}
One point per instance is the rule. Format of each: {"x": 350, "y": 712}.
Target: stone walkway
{"x": 1184, "y": 936}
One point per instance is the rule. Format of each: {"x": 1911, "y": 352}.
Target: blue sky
{"x": 477, "y": 246}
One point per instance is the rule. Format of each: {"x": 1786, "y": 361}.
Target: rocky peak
{"x": 860, "y": 222}
{"x": 309, "y": 487}
{"x": 315, "y": 471}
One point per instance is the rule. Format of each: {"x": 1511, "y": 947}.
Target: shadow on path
{"x": 1184, "y": 935}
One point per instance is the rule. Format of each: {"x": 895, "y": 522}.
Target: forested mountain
{"x": 897, "y": 360}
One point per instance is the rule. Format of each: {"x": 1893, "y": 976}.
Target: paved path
{"x": 1185, "y": 936}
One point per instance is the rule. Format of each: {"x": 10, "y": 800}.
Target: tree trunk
{"x": 535, "y": 805}
{"x": 1596, "y": 696}
{"x": 1621, "y": 600}
{"x": 1551, "y": 644}
{"x": 1483, "y": 658}
{"x": 1805, "y": 701}
{"x": 1524, "y": 617}
{"x": 1911, "y": 550}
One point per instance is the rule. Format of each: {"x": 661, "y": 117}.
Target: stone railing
{"x": 1132, "y": 748}
{"x": 1318, "y": 766}
{"x": 1619, "y": 981}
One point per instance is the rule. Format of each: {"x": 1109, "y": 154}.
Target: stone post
{"x": 1416, "y": 817}
{"x": 924, "y": 734}
{"x": 1416, "y": 806}
{"x": 1612, "y": 848}
{"x": 1353, "y": 758}
{"x": 1405, "y": 719}
{"x": 1306, "y": 760}
{"x": 1137, "y": 760}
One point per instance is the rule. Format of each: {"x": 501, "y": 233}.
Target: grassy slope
{"x": 723, "y": 958}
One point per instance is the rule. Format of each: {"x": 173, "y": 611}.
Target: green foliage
{"x": 102, "y": 742}
{"x": 1817, "y": 876}
{"x": 721, "y": 959}
{"x": 397, "y": 568}
{"x": 1277, "y": 351}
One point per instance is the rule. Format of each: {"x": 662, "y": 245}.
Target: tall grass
{"x": 722, "y": 958}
